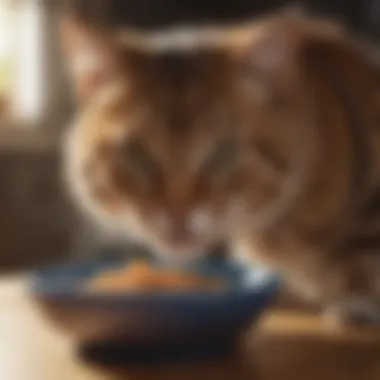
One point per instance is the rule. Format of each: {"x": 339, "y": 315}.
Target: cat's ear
{"x": 92, "y": 57}
{"x": 277, "y": 51}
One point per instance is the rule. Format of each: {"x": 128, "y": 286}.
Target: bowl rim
{"x": 41, "y": 286}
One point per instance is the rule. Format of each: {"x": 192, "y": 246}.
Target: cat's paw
{"x": 358, "y": 312}
{"x": 334, "y": 318}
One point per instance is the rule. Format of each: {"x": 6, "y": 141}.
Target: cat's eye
{"x": 135, "y": 156}
{"x": 222, "y": 158}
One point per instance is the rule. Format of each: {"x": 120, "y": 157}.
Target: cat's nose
{"x": 363, "y": 312}
{"x": 180, "y": 234}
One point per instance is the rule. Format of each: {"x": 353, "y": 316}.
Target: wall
{"x": 37, "y": 220}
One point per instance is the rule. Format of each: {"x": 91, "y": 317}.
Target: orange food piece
{"x": 141, "y": 277}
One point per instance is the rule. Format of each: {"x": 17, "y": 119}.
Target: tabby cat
{"x": 264, "y": 134}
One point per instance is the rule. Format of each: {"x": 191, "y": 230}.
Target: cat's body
{"x": 265, "y": 135}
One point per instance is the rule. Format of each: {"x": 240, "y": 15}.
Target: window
{"x": 7, "y": 56}
{"x": 32, "y": 85}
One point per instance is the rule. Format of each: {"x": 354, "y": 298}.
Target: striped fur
{"x": 265, "y": 135}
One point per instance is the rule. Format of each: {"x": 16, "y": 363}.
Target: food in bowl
{"x": 139, "y": 276}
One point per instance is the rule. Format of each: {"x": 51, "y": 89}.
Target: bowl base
{"x": 117, "y": 353}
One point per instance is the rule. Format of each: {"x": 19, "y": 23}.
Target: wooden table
{"x": 286, "y": 346}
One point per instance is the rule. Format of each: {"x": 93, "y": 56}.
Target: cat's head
{"x": 185, "y": 136}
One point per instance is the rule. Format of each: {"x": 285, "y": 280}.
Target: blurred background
{"x": 38, "y": 223}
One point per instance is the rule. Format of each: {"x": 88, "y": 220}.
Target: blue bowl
{"x": 141, "y": 318}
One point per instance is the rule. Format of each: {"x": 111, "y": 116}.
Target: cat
{"x": 264, "y": 135}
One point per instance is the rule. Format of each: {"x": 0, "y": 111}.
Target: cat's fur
{"x": 266, "y": 134}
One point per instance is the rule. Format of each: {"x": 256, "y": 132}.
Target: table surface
{"x": 287, "y": 345}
